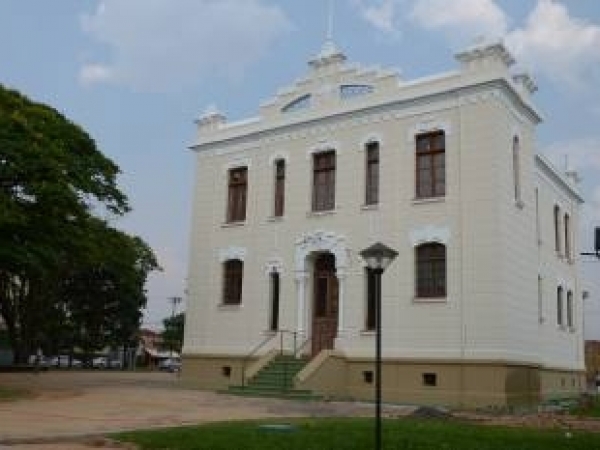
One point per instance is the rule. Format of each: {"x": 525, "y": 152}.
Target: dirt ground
{"x": 75, "y": 410}
{"x": 72, "y": 410}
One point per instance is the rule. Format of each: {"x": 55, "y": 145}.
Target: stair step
{"x": 276, "y": 380}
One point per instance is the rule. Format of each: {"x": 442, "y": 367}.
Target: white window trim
{"x": 232, "y": 252}
{"x": 430, "y": 234}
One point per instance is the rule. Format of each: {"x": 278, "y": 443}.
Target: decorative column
{"x": 301, "y": 279}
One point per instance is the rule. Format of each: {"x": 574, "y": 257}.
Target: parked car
{"x": 40, "y": 361}
{"x": 103, "y": 362}
{"x": 65, "y": 361}
{"x": 170, "y": 364}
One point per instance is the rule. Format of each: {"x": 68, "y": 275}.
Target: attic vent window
{"x": 354, "y": 90}
{"x": 298, "y": 104}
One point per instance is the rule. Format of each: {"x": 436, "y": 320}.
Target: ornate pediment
{"x": 322, "y": 241}
{"x": 330, "y": 81}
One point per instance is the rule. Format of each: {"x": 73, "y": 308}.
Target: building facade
{"x": 481, "y": 306}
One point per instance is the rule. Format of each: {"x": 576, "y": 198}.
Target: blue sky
{"x": 136, "y": 73}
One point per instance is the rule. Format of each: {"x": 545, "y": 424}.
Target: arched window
{"x": 559, "y": 306}
{"x": 279, "y": 192}
{"x": 431, "y": 165}
{"x": 233, "y": 275}
{"x": 430, "y": 270}
{"x": 516, "y": 168}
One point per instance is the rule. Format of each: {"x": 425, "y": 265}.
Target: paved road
{"x": 74, "y": 405}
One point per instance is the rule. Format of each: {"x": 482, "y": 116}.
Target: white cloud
{"x": 161, "y": 44}
{"x": 95, "y": 73}
{"x": 583, "y": 154}
{"x": 562, "y": 47}
{"x": 382, "y": 16}
{"x": 468, "y": 18}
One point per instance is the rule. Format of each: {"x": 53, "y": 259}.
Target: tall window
{"x": 238, "y": 190}
{"x": 540, "y": 287}
{"x": 431, "y": 165}
{"x": 516, "y": 168}
{"x": 233, "y": 275}
{"x": 537, "y": 216}
{"x": 370, "y": 293}
{"x": 557, "y": 228}
{"x": 372, "y": 174}
{"x": 559, "y": 306}
{"x": 567, "y": 226}
{"x": 279, "y": 188}
{"x": 431, "y": 270}
{"x": 274, "y": 323}
{"x": 570, "y": 309}
{"x": 323, "y": 181}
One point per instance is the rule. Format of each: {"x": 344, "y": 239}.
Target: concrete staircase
{"x": 276, "y": 379}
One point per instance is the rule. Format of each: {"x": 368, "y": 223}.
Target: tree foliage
{"x": 61, "y": 267}
{"x": 172, "y": 336}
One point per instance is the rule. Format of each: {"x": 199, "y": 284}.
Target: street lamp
{"x": 378, "y": 257}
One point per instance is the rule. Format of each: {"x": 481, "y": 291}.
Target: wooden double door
{"x": 325, "y": 303}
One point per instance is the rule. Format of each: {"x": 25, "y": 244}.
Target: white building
{"x": 482, "y": 305}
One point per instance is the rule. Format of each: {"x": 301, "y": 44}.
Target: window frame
{"x": 323, "y": 181}
{"x": 567, "y": 236}
{"x": 237, "y": 194}
{"x": 435, "y": 174}
{"x": 426, "y": 260}
{"x": 275, "y": 300}
{"x": 233, "y": 281}
{"x": 557, "y": 233}
{"x": 570, "y": 309}
{"x": 280, "y": 169}
{"x": 559, "y": 306}
{"x": 370, "y": 300}
{"x": 372, "y": 173}
{"x": 516, "y": 167}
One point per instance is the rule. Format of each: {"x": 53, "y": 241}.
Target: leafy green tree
{"x": 105, "y": 293}
{"x": 172, "y": 335}
{"x": 53, "y": 182}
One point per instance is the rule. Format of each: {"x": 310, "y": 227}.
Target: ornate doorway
{"x": 325, "y": 303}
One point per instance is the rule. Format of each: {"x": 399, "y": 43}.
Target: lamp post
{"x": 378, "y": 257}
{"x": 174, "y": 302}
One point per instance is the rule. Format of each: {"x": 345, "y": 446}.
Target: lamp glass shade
{"x": 378, "y": 256}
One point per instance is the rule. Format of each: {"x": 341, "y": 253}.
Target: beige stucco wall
{"x": 493, "y": 256}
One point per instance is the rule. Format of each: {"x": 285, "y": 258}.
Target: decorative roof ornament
{"x": 211, "y": 118}
{"x": 329, "y": 53}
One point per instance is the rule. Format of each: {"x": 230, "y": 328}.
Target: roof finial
{"x": 329, "y": 36}
{"x": 329, "y": 53}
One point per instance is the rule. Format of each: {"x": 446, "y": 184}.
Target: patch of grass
{"x": 589, "y": 406}
{"x": 357, "y": 434}
{"x": 9, "y": 394}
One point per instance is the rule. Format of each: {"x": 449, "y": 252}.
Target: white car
{"x": 63, "y": 361}
{"x": 102, "y": 362}
{"x": 40, "y": 361}
{"x": 170, "y": 364}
